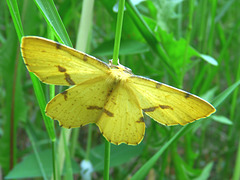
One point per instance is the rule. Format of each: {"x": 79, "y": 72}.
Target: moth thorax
{"x": 120, "y": 74}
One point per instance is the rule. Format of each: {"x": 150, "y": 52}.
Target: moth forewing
{"x": 54, "y": 63}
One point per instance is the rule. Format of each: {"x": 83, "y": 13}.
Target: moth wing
{"x": 54, "y": 63}
{"x": 79, "y": 105}
{"x": 168, "y": 105}
{"x": 122, "y": 120}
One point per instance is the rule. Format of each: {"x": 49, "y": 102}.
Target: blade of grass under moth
{"x": 36, "y": 84}
{"x": 36, "y": 153}
{"x": 143, "y": 171}
{"x": 13, "y": 7}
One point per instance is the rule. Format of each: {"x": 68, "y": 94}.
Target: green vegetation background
{"x": 193, "y": 45}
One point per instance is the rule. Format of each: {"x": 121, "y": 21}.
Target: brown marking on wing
{"x": 58, "y": 45}
{"x": 158, "y": 85}
{"x": 85, "y": 57}
{"x": 187, "y": 95}
{"x": 165, "y": 107}
{"x": 110, "y": 114}
{"x": 94, "y": 107}
{"x": 68, "y": 79}
{"x": 110, "y": 92}
{"x": 141, "y": 120}
{"x": 150, "y": 109}
{"x": 64, "y": 93}
{"x": 61, "y": 69}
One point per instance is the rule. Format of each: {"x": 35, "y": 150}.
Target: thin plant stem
{"x": 51, "y": 95}
{"x": 53, "y": 159}
{"x": 107, "y": 160}
{"x": 36, "y": 152}
{"x": 115, "y": 61}
{"x": 236, "y": 173}
{"x": 179, "y": 22}
{"x": 89, "y": 142}
{"x": 118, "y": 31}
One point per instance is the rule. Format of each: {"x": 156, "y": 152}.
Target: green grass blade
{"x": 205, "y": 172}
{"x": 142, "y": 172}
{"x": 225, "y": 94}
{"x": 236, "y": 172}
{"x": 13, "y": 8}
{"x": 36, "y": 153}
{"x": 53, "y": 19}
{"x": 118, "y": 32}
{"x": 36, "y": 84}
{"x": 68, "y": 166}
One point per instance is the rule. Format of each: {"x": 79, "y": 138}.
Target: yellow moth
{"x": 110, "y": 96}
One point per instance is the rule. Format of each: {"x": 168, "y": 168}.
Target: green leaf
{"x": 205, "y": 172}
{"x": 119, "y": 155}
{"x": 175, "y": 50}
{"x": 222, "y": 119}
{"x": 29, "y": 168}
{"x": 208, "y": 59}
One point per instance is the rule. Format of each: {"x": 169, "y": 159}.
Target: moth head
{"x": 120, "y": 67}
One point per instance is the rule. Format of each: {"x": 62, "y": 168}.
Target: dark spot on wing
{"x": 158, "y": 85}
{"x": 141, "y": 119}
{"x": 64, "y": 93}
{"x": 187, "y": 95}
{"x": 110, "y": 92}
{"x": 61, "y": 69}
{"x": 68, "y": 79}
{"x": 110, "y": 114}
{"x": 94, "y": 107}
{"x": 58, "y": 45}
{"x": 85, "y": 57}
{"x": 165, "y": 107}
{"x": 150, "y": 109}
